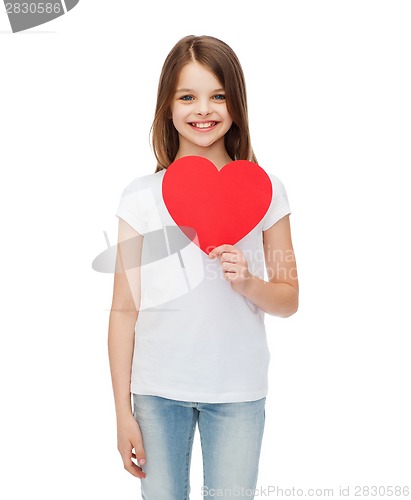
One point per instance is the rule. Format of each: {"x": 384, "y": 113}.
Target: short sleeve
{"x": 279, "y": 206}
{"x": 131, "y": 207}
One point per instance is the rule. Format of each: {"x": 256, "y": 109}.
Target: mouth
{"x": 203, "y": 125}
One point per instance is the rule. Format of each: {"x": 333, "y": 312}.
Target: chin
{"x": 205, "y": 146}
{"x": 200, "y": 144}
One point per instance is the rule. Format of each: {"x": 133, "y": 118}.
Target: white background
{"x": 329, "y": 96}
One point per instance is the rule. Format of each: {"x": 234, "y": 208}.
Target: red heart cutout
{"x": 221, "y": 206}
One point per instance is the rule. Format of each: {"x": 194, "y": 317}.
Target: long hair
{"x": 221, "y": 60}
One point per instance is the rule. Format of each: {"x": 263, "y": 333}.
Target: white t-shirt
{"x": 196, "y": 339}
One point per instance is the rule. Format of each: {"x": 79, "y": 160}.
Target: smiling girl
{"x": 200, "y": 115}
{"x": 201, "y": 358}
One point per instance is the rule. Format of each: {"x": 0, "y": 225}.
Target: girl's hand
{"x": 234, "y": 264}
{"x": 129, "y": 437}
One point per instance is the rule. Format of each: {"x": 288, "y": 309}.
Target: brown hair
{"x": 222, "y": 61}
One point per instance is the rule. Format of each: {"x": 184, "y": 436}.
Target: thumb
{"x": 140, "y": 455}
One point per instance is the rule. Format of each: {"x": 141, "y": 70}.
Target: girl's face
{"x": 198, "y": 107}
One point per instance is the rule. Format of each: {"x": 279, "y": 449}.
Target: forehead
{"x": 197, "y": 76}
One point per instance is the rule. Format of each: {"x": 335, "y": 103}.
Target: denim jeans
{"x": 230, "y": 434}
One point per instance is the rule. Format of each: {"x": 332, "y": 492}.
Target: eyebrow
{"x": 191, "y": 90}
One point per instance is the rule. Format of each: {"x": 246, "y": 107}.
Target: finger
{"x": 140, "y": 455}
{"x": 214, "y": 252}
{"x": 134, "y": 469}
{"x": 230, "y": 266}
{"x": 230, "y": 276}
{"x": 230, "y": 257}
{"x": 217, "y": 251}
{"x": 141, "y": 461}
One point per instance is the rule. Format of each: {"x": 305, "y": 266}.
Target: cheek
{"x": 178, "y": 114}
{"x": 228, "y": 121}
{"x": 227, "y": 116}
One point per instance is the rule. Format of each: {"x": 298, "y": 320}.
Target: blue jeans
{"x": 231, "y": 436}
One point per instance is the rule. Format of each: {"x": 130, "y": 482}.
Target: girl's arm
{"x": 279, "y": 295}
{"x": 124, "y": 314}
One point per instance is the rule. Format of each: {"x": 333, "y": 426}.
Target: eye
{"x": 186, "y": 97}
{"x": 219, "y": 97}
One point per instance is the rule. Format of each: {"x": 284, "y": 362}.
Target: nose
{"x": 203, "y": 107}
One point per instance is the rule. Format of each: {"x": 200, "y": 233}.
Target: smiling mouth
{"x": 202, "y": 125}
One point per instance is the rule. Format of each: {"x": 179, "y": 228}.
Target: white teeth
{"x": 204, "y": 125}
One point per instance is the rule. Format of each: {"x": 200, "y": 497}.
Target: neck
{"x": 215, "y": 153}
